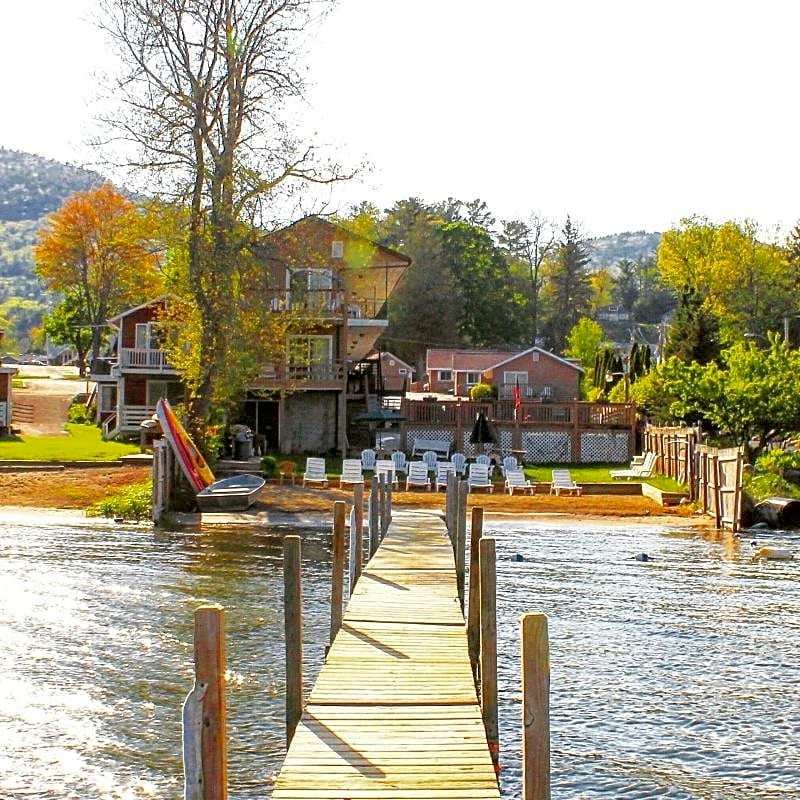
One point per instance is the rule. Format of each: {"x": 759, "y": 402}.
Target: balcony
{"x": 325, "y": 376}
{"x": 326, "y": 304}
{"x": 132, "y": 359}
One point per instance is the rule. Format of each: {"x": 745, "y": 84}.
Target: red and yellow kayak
{"x": 194, "y": 466}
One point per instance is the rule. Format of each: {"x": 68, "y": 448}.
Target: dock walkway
{"x": 394, "y": 712}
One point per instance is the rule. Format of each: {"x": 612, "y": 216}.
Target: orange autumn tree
{"x": 99, "y": 246}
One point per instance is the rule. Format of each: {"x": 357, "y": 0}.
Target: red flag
{"x": 517, "y": 396}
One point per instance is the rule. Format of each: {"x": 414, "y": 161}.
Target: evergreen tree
{"x": 694, "y": 332}
{"x": 569, "y": 288}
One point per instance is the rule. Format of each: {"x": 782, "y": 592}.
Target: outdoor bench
{"x": 439, "y": 446}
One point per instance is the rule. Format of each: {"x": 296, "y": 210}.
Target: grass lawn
{"x": 78, "y": 443}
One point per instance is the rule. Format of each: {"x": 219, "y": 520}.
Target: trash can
{"x": 243, "y": 445}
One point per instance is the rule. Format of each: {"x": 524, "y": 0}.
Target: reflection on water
{"x": 96, "y": 627}
{"x": 678, "y": 677}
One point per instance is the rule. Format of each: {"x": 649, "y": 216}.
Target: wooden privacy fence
{"x": 713, "y": 474}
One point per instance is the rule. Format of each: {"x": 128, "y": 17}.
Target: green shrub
{"x": 79, "y": 414}
{"x": 133, "y": 503}
{"x": 482, "y": 391}
{"x": 269, "y": 467}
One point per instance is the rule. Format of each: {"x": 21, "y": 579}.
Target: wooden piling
{"x": 337, "y": 568}
{"x": 209, "y": 667}
{"x": 488, "y": 592}
{"x": 473, "y": 595}
{"x": 535, "y": 707}
{"x": 461, "y": 540}
{"x": 358, "y": 504}
{"x": 374, "y": 536}
{"x": 293, "y": 633}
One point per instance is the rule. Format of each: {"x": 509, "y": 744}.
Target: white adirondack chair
{"x": 459, "y": 462}
{"x": 417, "y": 475}
{"x": 368, "y": 459}
{"x": 400, "y": 463}
{"x": 516, "y": 481}
{"x": 315, "y": 472}
{"x": 479, "y": 477}
{"x": 509, "y": 462}
{"x": 430, "y": 458}
{"x": 352, "y": 474}
{"x": 486, "y": 461}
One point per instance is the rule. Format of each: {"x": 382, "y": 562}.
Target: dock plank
{"x": 394, "y": 713}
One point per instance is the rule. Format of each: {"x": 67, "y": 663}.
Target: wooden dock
{"x": 394, "y": 712}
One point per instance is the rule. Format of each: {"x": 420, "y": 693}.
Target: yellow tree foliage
{"x": 99, "y": 245}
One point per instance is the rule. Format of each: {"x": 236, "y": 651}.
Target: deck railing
{"x": 326, "y": 303}
{"x": 134, "y": 358}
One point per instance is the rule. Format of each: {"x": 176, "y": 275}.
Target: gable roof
{"x": 465, "y": 360}
{"x": 543, "y": 352}
{"x": 128, "y": 311}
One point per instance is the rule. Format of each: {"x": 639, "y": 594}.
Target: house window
{"x": 312, "y": 289}
{"x": 515, "y": 377}
{"x": 473, "y": 378}
{"x": 108, "y": 397}
{"x": 310, "y": 357}
{"x": 445, "y": 375}
{"x": 172, "y": 390}
{"x": 145, "y": 336}
{"x": 402, "y": 371}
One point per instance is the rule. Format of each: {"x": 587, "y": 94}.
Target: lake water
{"x": 675, "y": 678}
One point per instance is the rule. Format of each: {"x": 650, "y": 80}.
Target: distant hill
{"x": 605, "y": 251}
{"x": 31, "y": 187}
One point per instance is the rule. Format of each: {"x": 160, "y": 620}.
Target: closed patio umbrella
{"x": 482, "y": 431}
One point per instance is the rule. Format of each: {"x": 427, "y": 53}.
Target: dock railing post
{"x": 488, "y": 592}
{"x": 535, "y": 707}
{"x": 461, "y": 540}
{"x": 358, "y": 505}
{"x": 293, "y": 633}
{"x": 451, "y": 506}
{"x": 384, "y": 507}
{"x": 474, "y": 594}
{"x": 337, "y": 568}
{"x": 209, "y": 667}
{"x": 374, "y": 536}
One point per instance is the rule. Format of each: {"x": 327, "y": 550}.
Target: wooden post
{"x": 337, "y": 568}
{"x": 293, "y": 633}
{"x": 209, "y": 668}
{"x": 473, "y": 603}
{"x": 384, "y": 505}
{"x": 461, "y": 540}
{"x": 358, "y": 504}
{"x": 535, "y": 708}
{"x": 374, "y": 536}
{"x": 488, "y": 591}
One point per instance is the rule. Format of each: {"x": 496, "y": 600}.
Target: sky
{"x": 625, "y": 114}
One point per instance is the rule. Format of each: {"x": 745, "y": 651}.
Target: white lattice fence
{"x": 547, "y": 447}
{"x": 427, "y": 433}
{"x": 609, "y": 446}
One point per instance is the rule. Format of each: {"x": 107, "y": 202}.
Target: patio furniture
{"x": 562, "y": 483}
{"x": 315, "y": 472}
{"x": 643, "y": 470}
{"x": 516, "y": 481}
{"x": 459, "y": 462}
{"x": 400, "y": 463}
{"x": 352, "y": 474}
{"x": 368, "y": 459}
{"x": 417, "y": 475}
{"x": 479, "y": 477}
{"x": 443, "y": 469}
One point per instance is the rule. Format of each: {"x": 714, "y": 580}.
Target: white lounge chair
{"x": 459, "y": 462}
{"x": 430, "y": 458}
{"x": 479, "y": 478}
{"x": 417, "y": 475}
{"x": 516, "y": 480}
{"x": 385, "y": 466}
{"x": 315, "y": 472}
{"x": 562, "y": 483}
{"x": 352, "y": 474}
{"x": 400, "y": 463}
{"x": 443, "y": 469}
{"x": 368, "y": 459}
{"x": 640, "y": 471}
